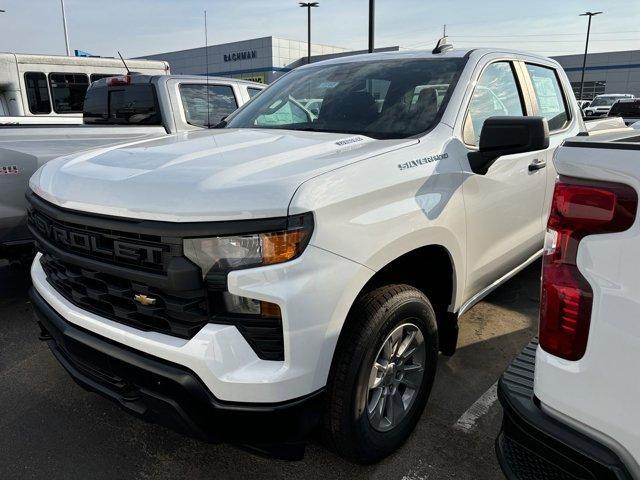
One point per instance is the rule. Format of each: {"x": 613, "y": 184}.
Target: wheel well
{"x": 430, "y": 270}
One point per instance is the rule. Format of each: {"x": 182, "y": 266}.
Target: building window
{"x": 68, "y": 91}
{"x": 591, "y": 89}
{"x": 37, "y": 92}
{"x": 220, "y": 99}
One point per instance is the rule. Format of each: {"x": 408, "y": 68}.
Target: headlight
{"x": 224, "y": 253}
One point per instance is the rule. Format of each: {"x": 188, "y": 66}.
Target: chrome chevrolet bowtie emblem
{"x": 144, "y": 300}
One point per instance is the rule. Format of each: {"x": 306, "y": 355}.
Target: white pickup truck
{"x": 117, "y": 110}
{"x": 570, "y": 402}
{"x": 296, "y": 268}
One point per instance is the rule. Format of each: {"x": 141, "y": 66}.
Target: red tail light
{"x": 579, "y": 208}
{"x": 119, "y": 80}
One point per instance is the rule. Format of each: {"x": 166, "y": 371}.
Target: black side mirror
{"x": 506, "y": 136}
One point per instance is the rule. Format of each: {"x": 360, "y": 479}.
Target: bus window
{"x": 68, "y": 90}
{"x": 37, "y": 92}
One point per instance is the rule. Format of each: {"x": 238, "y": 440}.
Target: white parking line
{"x": 467, "y": 422}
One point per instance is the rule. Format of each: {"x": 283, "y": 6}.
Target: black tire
{"x": 374, "y": 316}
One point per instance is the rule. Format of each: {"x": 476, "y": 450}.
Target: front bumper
{"x": 533, "y": 445}
{"x": 168, "y": 394}
{"x": 313, "y": 303}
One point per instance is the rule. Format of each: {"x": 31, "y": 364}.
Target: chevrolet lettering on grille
{"x": 94, "y": 243}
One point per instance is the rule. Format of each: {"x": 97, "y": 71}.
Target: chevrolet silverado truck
{"x": 291, "y": 270}
{"x": 569, "y": 398}
{"x": 121, "y": 109}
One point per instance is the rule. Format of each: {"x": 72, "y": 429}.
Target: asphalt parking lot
{"x": 51, "y": 428}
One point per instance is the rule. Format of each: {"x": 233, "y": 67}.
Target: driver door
{"x": 502, "y": 206}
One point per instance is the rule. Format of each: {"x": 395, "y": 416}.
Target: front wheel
{"x": 382, "y": 373}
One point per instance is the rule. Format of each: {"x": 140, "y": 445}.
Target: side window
{"x": 220, "y": 100}
{"x": 253, "y": 91}
{"x": 37, "y": 92}
{"x": 551, "y": 102}
{"x": 496, "y": 94}
{"x": 68, "y": 90}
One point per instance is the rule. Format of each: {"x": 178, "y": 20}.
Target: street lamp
{"x": 64, "y": 26}
{"x": 586, "y": 47}
{"x": 308, "y": 6}
{"x": 372, "y": 23}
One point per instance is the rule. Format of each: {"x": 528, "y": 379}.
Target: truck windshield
{"x": 382, "y": 99}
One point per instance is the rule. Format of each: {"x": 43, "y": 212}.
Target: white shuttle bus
{"x": 37, "y": 89}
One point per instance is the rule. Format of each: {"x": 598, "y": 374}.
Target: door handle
{"x": 537, "y": 164}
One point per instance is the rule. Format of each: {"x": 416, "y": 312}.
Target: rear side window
{"x": 253, "y": 91}
{"x": 37, "y": 92}
{"x": 496, "y": 94}
{"x": 551, "y": 102}
{"x": 122, "y": 105}
{"x": 220, "y": 100}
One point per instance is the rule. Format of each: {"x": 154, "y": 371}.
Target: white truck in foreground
{"x": 570, "y": 402}
{"x": 117, "y": 110}
{"x": 293, "y": 269}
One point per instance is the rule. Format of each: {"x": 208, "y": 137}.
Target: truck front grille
{"x": 128, "y": 249}
{"x": 180, "y": 314}
{"x": 134, "y": 272}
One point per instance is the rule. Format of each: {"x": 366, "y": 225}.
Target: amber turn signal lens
{"x": 270, "y": 310}
{"x": 282, "y": 246}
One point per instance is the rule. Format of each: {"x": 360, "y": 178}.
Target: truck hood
{"x": 225, "y": 174}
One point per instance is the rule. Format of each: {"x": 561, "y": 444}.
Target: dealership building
{"x": 607, "y": 72}
{"x": 259, "y": 59}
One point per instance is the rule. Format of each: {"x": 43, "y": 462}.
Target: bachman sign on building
{"x": 234, "y": 57}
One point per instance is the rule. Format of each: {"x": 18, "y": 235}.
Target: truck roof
{"x": 418, "y": 54}
{"x": 145, "y": 78}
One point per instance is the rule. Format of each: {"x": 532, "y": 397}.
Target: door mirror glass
{"x": 507, "y": 136}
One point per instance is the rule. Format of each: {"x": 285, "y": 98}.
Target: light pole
{"x": 372, "y": 23}
{"x": 309, "y": 6}
{"x": 64, "y": 26}
{"x": 586, "y": 47}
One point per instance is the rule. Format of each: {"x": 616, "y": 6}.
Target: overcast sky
{"x": 139, "y": 27}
